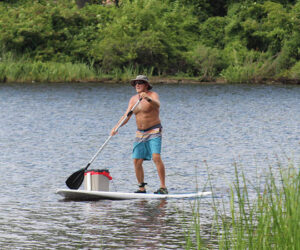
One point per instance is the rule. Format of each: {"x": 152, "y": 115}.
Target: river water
{"x": 49, "y": 131}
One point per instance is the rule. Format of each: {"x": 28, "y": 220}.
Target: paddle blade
{"x": 76, "y": 179}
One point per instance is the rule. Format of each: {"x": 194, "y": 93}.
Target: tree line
{"x": 232, "y": 39}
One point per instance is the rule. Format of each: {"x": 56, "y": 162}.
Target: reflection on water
{"x": 50, "y": 131}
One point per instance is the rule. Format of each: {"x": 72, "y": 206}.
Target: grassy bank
{"x": 270, "y": 221}
{"x": 26, "y": 71}
{"x": 44, "y": 72}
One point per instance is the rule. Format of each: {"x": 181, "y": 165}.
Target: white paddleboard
{"x": 70, "y": 194}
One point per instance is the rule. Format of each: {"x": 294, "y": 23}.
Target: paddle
{"x": 76, "y": 179}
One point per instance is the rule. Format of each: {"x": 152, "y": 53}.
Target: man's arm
{"x": 152, "y": 98}
{"x": 130, "y": 105}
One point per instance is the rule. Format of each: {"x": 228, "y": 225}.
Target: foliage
{"x": 206, "y": 62}
{"x": 149, "y": 34}
{"x": 295, "y": 71}
{"x": 212, "y": 32}
{"x": 263, "y": 27}
{"x": 205, "y": 8}
{"x": 245, "y": 66}
{"x": 239, "y": 40}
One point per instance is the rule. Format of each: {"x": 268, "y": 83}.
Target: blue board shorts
{"x": 145, "y": 149}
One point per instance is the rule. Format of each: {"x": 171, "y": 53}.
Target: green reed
{"x": 27, "y": 71}
{"x": 24, "y": 70}
{"x": 270, "y": 220}
{"x": 130, "y": 72}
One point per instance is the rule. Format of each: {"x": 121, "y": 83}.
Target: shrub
{"x": 206, "y": 62}
{"x": 295, "y": 71}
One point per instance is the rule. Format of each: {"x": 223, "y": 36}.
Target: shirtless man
{"x": 147, "y": 143}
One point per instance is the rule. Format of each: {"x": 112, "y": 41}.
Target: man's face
{"x": 141, "y": 86}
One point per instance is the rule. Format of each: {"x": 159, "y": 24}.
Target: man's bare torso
{"x": 146, "y": 114}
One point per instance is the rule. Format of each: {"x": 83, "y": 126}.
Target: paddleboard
{"x": 70, "y": 194}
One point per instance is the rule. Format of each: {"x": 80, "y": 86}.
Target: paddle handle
{"x": 116, "y": 130}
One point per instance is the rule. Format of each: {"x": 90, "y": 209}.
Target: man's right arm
{"x": 130, "y": 105}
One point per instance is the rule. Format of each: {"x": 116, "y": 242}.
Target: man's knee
{"x": 138, "y": 162}
{"x": 156, "y": 158}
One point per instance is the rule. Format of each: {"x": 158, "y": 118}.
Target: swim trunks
{"x": 147, "y": 142}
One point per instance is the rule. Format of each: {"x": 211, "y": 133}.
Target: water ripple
{"x": 49, "y": 131}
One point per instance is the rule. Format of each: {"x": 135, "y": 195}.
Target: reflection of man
{"x": 147, "y": 144}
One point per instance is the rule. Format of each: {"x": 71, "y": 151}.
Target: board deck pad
{"x": 69, "y": 194}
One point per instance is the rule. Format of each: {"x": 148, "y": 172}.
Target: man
{"x": 147, "y": 143}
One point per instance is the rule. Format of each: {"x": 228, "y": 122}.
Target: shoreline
{"x": 269, "y": 81}
{"x": 177, "y": 80}
{"x": 167, "y": 80}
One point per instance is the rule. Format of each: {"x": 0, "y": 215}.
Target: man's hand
{"x": 145, "y": 96}
{"x": 113, "y": 131}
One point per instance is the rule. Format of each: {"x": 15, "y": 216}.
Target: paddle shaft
{"x": 116, "y": 130}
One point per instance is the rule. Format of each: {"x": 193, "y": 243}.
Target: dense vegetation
{"x": 235, "y": 40}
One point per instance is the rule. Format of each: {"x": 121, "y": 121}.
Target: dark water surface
{"x": 49, "y": 131}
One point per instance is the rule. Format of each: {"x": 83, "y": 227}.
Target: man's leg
{"x": 139, "y": 171}
{"x": 160, "y": 169}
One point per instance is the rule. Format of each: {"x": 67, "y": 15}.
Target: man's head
{"x": 141, "y": 80}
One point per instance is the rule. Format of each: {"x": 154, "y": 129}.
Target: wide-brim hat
{"x": 141, "y": 78}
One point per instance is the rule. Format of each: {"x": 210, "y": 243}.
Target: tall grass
{"x": 24, "y": 70}
{"x": 27, "y": 71}
{"x": 295, "y": 71}
{"x": 269, "y": 221}
{"x": 130, "y": 72}
{"x": 250, "y": 71}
